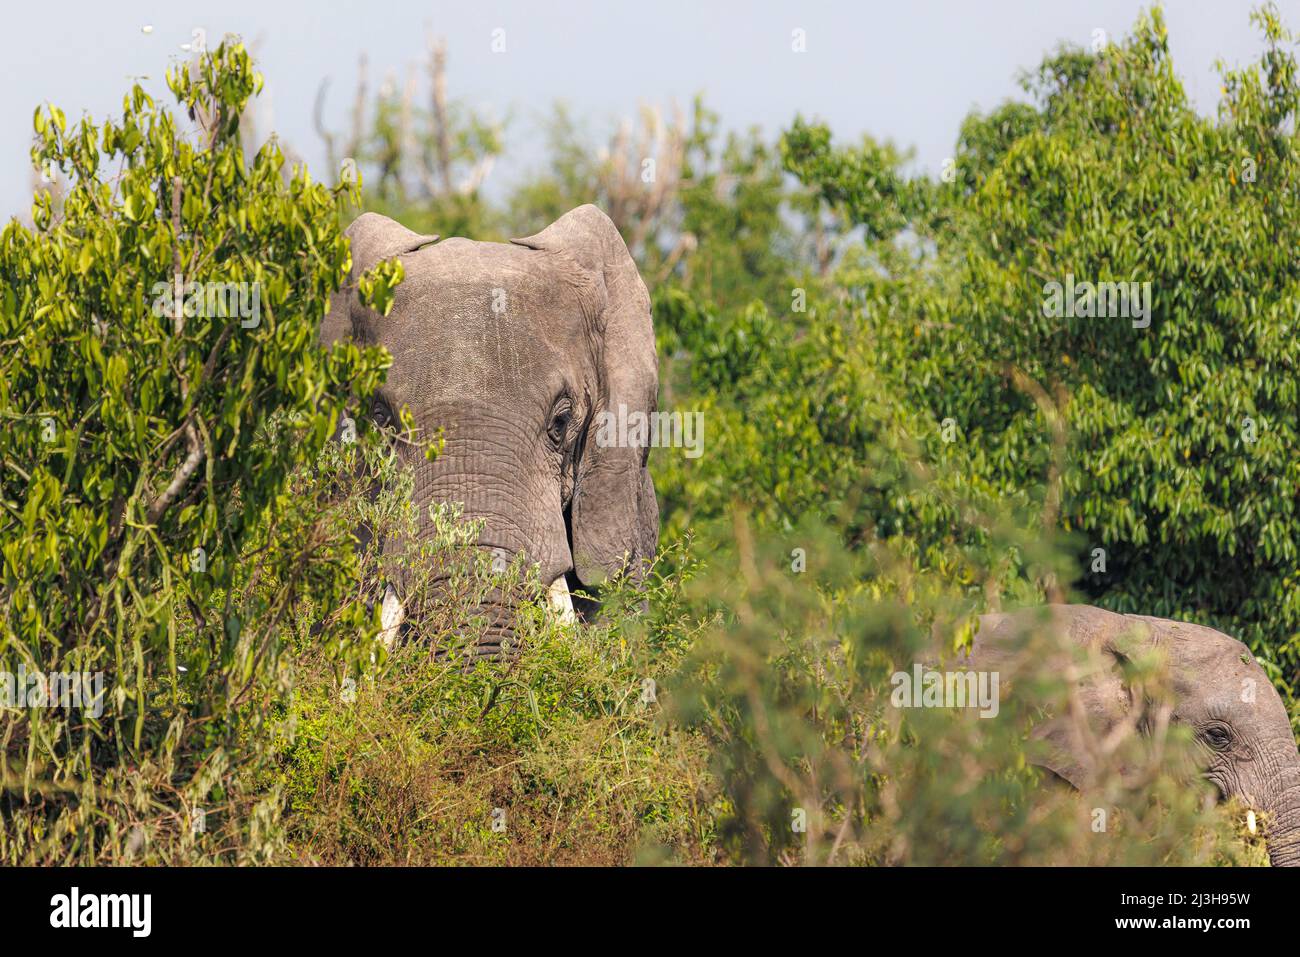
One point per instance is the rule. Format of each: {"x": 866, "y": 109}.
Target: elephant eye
{"x": 559, "y": 428}
{"x": 561, "y": 415}
{"x": 1217, "y": 736}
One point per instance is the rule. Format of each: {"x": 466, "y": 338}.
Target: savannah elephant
{"x": 514, "y": 349}
{"x": 1242, "y": 732}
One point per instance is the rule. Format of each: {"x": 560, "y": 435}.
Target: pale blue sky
{"x": 907, "y": 71}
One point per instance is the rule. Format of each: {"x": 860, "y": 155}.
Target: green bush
{"x": 744, "y": 718}
{"x": 408, "y": 759}
{"x": 150, "y": 433}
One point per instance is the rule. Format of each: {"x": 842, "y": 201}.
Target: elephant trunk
{"x": 1279, "y": 797}
{"x": 487, "y": 621}
{"x": 482, "y": 627}
{"x": 1284, "y": 826}
{"x": 481, "y": 477}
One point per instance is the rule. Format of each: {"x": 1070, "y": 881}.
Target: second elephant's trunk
{"x": 1284, "y": 826}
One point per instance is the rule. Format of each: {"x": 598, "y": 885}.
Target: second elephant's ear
{"x": 1069, "y": 748}
{"x": 614, "y": 514}
{"x": 374, "y": 238}
{"x": 1106, "y": 698}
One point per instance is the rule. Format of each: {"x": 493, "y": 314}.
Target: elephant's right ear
{"x": 374, "y": 238}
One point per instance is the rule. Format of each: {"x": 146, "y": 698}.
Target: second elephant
{"x": 1240, "y": 727}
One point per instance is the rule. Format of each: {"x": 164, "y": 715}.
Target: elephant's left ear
{"x": 615, "y": 516}
{"x": 373, "y": 238}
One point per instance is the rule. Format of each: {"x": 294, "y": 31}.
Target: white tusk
{"x": 1250, "y": 821}
{"x": 391, "y": 616}
{"x": 557, "y": 596}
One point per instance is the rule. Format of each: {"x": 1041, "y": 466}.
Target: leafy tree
{"x": 1182, "y": 469}
{"x": 159, "y": 384}
{"x": 734, "y": 205}
{"x": 1179, "y": 464}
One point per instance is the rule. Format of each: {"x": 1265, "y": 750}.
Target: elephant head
{"x": 1243, "y": 735}
{"x": 514, "y": 350}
